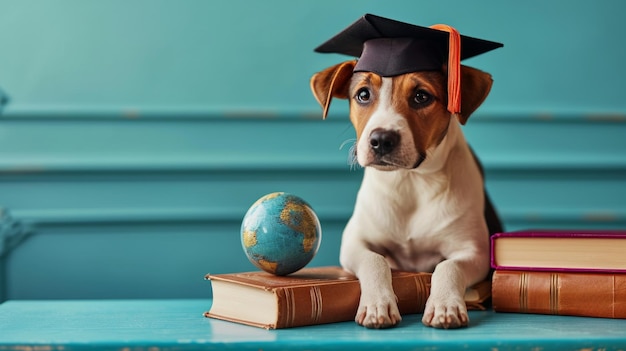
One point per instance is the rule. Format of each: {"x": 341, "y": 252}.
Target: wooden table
{"x": 155, "y": 325}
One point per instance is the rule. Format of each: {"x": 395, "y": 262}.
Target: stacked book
{"x": 575, "y": 273}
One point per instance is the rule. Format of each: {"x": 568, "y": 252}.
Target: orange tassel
{"x": 454, "y": 68}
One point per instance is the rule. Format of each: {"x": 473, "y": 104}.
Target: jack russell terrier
{"x": 422, "y": 205}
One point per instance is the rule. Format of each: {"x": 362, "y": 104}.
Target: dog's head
{"x": 398, "y": 120}
{"x": 405, "y": 89}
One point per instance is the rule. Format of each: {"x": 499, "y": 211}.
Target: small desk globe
{"x": 280, "y": 233}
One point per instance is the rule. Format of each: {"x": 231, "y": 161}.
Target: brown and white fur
{"x": 422, "y": 204}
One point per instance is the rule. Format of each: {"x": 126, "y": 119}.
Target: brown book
{"x": 313, "y": 296}
{"x": 560, "y": 293}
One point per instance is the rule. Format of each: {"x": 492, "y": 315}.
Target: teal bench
{"x": 157, "y": 325}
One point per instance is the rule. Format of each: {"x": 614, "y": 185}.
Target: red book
{"x": 560, "y": 250}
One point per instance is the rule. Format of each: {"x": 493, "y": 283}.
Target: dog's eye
{"x": 421, "y": 97}
{"x": 363, "y": 95}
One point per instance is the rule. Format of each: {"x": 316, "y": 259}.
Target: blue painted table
{"x": 179, "y": 325}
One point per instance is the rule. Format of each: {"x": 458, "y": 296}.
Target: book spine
{"x": 560, "y": 293}
{"x": 310, "y": 305}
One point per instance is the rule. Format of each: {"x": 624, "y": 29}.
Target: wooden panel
{"x": 145, "y": 207}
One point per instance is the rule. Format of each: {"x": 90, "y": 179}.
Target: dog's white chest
{"x": 403, "y": 224}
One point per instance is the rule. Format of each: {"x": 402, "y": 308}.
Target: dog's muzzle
{"x": 385, "y": 146}
{"x": 384, "y": 142}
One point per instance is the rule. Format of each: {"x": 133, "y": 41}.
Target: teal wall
{"x": 559, "y": 56}
{"x": 139, "y": 132}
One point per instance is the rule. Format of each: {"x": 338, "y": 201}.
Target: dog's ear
{"x": 475, "y": 86}
{"x": 332, "y": 82}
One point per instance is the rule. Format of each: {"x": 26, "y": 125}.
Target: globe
{"x": 280, "y": 233}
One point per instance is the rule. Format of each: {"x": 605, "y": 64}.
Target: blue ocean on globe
{"x": 280, "y": 233}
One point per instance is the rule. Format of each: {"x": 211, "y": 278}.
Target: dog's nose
{"x": 384, "y": 141}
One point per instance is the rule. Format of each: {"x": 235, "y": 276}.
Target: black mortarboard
{"x": 389, "y": 48}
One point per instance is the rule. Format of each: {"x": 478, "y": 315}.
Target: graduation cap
{"x": 390, "y": 48}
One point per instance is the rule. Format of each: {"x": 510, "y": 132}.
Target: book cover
{"x": 560, "y": 250}
{"x": 560, "y": 293}
{"x": 313, "y": 296}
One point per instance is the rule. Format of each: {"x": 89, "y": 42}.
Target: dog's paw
{"x": 445, "y": 313}
{"x": 378, "y": 312}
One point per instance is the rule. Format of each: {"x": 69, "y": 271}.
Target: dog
{"x": 422, "y": 205}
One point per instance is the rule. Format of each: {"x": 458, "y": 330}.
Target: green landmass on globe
{"x": 280, "y": 233}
